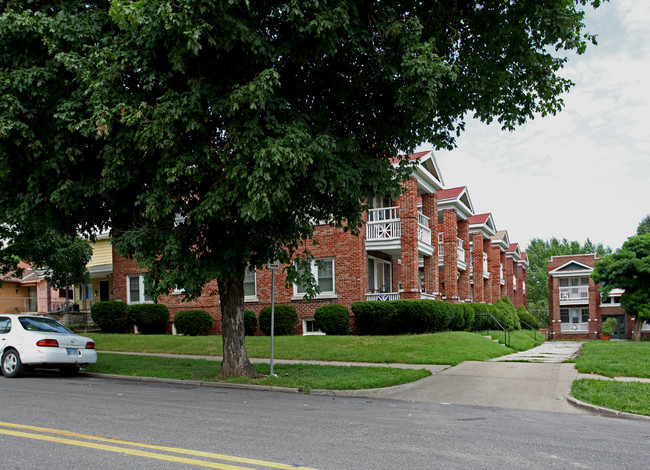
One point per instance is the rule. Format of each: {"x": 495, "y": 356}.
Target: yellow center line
{"x": 194, "y": 453}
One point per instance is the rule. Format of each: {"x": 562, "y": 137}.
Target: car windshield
{"x": 43, "y": 324}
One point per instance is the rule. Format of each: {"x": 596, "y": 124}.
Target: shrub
{"x": 526, "y": 317}
{"x": 608, "y": 327}
{"x": 193, "y": 322}
{"x": 482, "y": 318}
{"x": 110, "y": 316}
{"x": 402, "y": 316}
{"x": 332, "y": 319}
{"x": 506, "y": 313}
{"x": 150, "y": 319}
{"x": 285, "y": 319}
{"x": 250, "y": 323}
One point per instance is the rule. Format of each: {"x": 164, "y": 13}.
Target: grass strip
{"x": 450, "y": 348}
{"x": 303, "y": 376}
{"x": 615, "y": 359}
{"x": 629, "y": 397}
{"x": 520, "y": 340}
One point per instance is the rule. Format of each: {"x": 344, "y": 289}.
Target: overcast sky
{"x": 584, "y": 173}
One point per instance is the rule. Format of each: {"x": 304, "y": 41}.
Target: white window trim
{"x": 252, "y": 298}
{"x": 311, "y": 333}
{"x": 141, "y": 290}
{"x": 382, "y": 262}
{"x": 314, "y": 271}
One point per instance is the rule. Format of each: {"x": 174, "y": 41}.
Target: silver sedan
{"x": 28, "y": 341}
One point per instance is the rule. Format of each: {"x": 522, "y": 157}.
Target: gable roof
{"x": 501, "y": 239}
{"x": 514, "y": 252}
{"x": 524, "y": 259}
{"x": 456, "y": 199}
{"x": 426, "y": 170}
{"x": 482, "y": 223}
{"x": 571, "y": 268}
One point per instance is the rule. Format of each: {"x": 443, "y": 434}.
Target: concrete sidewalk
{"x": 537, "y": 380}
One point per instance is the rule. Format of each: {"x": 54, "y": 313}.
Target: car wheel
{"x": 70, "y": 371}
{"x": 11, "y": 365}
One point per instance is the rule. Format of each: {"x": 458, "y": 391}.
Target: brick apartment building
{"x": 395, "y": 258}
{"x": 576, "y": 307}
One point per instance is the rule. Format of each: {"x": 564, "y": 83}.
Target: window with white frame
{"x": 575, "y": 319}
{"x": 611, "y": 300}
{"x": 380, "y": 276}
{"x": 135, "y": 290}
{"x": 323, "y": 272}
{"x": 250, "y": 286}
{"x": 309, "y": 327}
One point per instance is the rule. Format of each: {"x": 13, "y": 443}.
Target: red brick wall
{"x": 464, "y": 286}
{"x": 450, "y": 270}
{"x": 410, "y": 274}
{"x": 477, "y": 255}
{"x": 431, "y": 271}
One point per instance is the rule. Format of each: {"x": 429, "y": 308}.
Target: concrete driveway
{"x": 500, "y": 383}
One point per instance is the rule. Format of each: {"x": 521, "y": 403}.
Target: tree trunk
{"x": 235, "y": 359}
{"x": 638, "y": 324}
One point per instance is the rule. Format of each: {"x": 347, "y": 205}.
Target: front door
{"x": 619, "y": 331}
{"x": 104, "y": 291}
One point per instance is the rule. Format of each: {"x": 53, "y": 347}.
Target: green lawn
{"x": 630, "y": 397}
{"x": 615, "y": 359}
{"x": 520, "y": 340}
{"x": 305, "y": 377}
{"x": 450, "y": 348}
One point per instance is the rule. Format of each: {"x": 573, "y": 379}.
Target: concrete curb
{"x": 600, "y": 411}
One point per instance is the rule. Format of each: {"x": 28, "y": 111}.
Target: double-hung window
{"x": 323, "y": 272}
{"x": 135, "y": 290}
{"x": 250, "y": 287}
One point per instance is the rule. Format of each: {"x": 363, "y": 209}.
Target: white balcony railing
{"x": 459, "y": 250}
{"x": 383, "y": 296}
{"x": 575, "y": 327}
{"x": 424, "y": 231}
{"x": 574, "y": 294}
{"x": 383, "y": 224}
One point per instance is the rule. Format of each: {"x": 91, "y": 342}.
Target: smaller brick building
{"x": 576, "y": 307}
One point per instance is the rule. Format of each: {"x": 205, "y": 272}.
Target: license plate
{"x": 73, "y": 352}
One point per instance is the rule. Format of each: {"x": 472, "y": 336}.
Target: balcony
{"x": 574, "y": 295}
{"x": 384, "y": 231}
{"x": 383, "y": 296}
{"x": 575, "y": 327}
{"x": 461, "y": 264}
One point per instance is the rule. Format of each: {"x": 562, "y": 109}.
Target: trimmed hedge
{"x": 285, "y": 319}
{"x": 250, "y": 323}
{"x": 193, "y": 322}
{"x": 523, "y": 315}
{"x": 332, "y": 319}
{"x": 150, "y": 319}
{"x": 110, "y": 316}
{"x": 481, "y": 319}
{"x": 409, "y": 316}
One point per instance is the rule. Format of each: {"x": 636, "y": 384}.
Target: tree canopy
{"x": 644, "y": 226}
{"x": 209, "y": 135}
{"x": 629, "y": 268}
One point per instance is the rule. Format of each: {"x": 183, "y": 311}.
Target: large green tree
{"x": 629, "y": 268}
{"x": 212, "y": 134}
{"x": 644, "y": 226}
{"x": 539, "y": 254}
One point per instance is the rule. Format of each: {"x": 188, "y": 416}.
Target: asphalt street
{"x": 285, "y": 430}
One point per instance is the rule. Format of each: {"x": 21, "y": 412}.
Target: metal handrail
{"x": 503, "y": 326}
{"x": 529, "y": 326}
